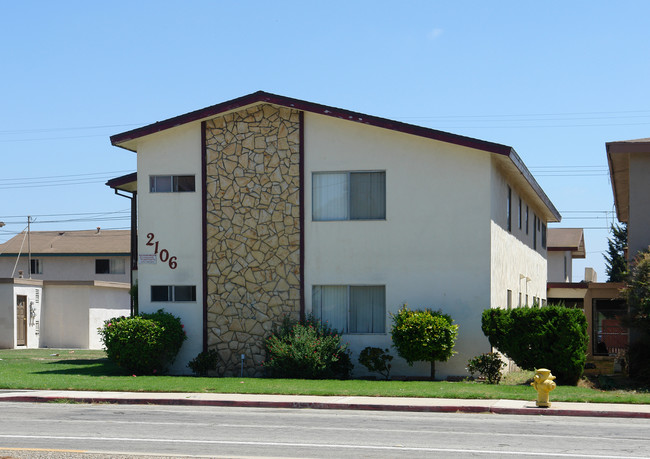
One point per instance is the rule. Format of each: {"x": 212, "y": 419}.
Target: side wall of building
{"x": 518, "y": 266}
{"x": 639, "y": 217}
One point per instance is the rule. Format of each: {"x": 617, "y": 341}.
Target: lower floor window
{"x": 173, "y": 293}
{"x": 351, "y": 308}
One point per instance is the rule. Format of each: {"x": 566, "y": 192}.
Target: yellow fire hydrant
{"x": 543, "y": 383}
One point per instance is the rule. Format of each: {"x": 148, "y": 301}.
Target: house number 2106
{"x": 163, "y": 254}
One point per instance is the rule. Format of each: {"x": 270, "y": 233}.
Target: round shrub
{"x": 307, "y": 350}
{"x": 424, "y": 335}
{"x": 376, "y": 360}
{"x": 488, "y": 365}
{"x": 143, "y": 344}
{"x": 204, "y": 362}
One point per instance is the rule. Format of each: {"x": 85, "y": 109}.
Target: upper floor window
{"x": 519, "y": 216}
{"x": 349, "y": 195}
{"x": 36, "y": 267}
{"x": 171, "y": 183}
{"x": 350, "y": 308}
{"x": 109, "y": 266}
{"x": 509, "y": 210}
{"x": 173, "y": 293}
{"x": 544, "y": 235}
{"x": 526, "y": 219}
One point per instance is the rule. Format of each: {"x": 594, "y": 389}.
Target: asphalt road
{"x": 30, "y": 430}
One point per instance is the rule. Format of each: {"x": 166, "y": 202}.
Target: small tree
{"x": 424, "y": 335}
{"x": 616, "y": 264}
{"x": 637, "y": 295}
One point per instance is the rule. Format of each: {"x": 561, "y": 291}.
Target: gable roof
{"x": 66, "y": 243}
{"x": 566, "y": 239}
{"x": 618, "y": 159}
{"x": 128, "y": 140}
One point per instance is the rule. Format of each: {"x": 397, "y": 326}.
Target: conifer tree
{"x": 615, "y": 258}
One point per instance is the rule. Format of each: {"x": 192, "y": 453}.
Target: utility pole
{"x": 29, "y": 246}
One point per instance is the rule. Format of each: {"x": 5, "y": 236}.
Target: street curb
{"x": 335, "y": 406}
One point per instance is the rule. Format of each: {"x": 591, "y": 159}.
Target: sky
{"x": 555, "y": 83}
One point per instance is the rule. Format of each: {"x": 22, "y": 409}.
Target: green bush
{"x": 376, "y": 360}
{"x": 204, "y": 363}
{"x": 144, "y": 344}
{"x": 553, "y": 337}
{"x": 424, "y": 335}
{"x": 488, "y": 365}
{"x": 307, "y": 350}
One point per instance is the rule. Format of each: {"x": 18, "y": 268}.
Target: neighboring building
{"x": 266, "y": 206}
{"x": 629, "y": 170}
{"x": 564, "y": 244}
{"x": 71, "y": 280}
{"x": 600, "y": 301}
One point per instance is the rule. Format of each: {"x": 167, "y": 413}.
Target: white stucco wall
{"x": 68, "y": 268}
{"x": 433, "y": 249}
{"x": 175, "y": 220}
{"x": 639, "y": 214}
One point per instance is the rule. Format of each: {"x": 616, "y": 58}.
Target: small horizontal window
{"x": 171, "y": 183}
{"x": 173, "y": 293}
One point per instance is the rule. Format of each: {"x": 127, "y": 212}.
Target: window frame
{"x": 36, "y": 266}
{"x": 349, "y": 197}
{"x": 509, "y": 210}
{"x": 112, "y": 265}
{"x": 172, "y": 294}
{"x": 175, "y": 183}
{"x": 349, "y": 310}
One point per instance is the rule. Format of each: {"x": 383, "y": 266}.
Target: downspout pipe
{"x": 134, "y": 242}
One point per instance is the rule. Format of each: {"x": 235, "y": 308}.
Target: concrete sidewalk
{"x": 439, "y": 405}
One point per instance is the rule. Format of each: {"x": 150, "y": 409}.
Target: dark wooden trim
{"x": 301, "y": 198}
{"x": 573, "y": 285}
{"x": 348, "y": 115}
{"x": 122, "y": 180}
{"x": 204, "y": 230}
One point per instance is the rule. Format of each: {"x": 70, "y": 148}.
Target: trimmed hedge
{"x": 143, "y": 344}
{"x": 553, "y": 337}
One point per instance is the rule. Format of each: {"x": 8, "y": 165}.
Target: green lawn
{"x": 90, "y": 370}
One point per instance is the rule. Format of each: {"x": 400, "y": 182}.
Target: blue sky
{"x": 555, "y": 83}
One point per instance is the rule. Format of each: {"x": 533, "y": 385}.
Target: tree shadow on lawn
{"x": 85, "y": 367}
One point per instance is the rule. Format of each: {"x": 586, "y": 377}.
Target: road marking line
{"x": 45, "y": 449}
{"x": 325, "y": 446}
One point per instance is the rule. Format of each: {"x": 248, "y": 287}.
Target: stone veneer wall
{"x": 253, "y": 231}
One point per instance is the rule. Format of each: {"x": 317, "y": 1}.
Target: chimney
{"x": 590, "y": 275}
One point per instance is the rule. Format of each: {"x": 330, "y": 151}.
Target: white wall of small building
{"x": 175, "y": 221}
{"x": 9, "y": 291}
{"x": 72, "y": 313}
{"x": 433, "y": 249}
{"x": 560, "y": 266}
